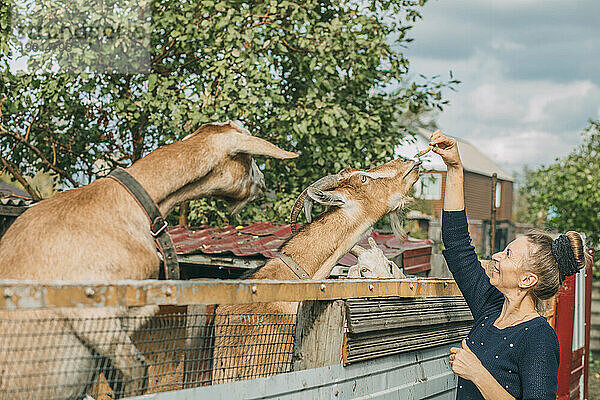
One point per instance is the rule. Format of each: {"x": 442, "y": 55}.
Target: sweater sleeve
{"x": 465, "y": 267}
{"x": 538, "y": 364}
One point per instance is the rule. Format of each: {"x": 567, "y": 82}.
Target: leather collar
{"x": 293, "y": 265}
{"x": 158, "y": 225}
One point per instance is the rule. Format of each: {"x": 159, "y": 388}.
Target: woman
{"x": 511, "y": 352}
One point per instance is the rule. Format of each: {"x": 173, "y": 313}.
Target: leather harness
{"x": 158, "y": 225}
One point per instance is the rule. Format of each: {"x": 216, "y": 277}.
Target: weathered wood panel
{"x": 371, "y": 345}
{"x": 319, "y": 334}
{"x": 394, "y": 313}
{"x": 15, "y": 295}
{"x": 382, "y": 327}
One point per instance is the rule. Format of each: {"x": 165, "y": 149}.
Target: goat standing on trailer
{"x": 357, "y": 199}
{"x": 100, "y": 232}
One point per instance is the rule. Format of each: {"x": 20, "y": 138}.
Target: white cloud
{"x": 529, "y": 81}
{"x": 490, "y": 101}
{"x": 544, "y": 95}
{"x": 513, "y": 149}
{"x": 515, "y": 122}
{"x": 502, "y": 44}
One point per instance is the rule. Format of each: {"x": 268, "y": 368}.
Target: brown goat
{"x": 99, "y": 232}
{"x": 357, "y": 201}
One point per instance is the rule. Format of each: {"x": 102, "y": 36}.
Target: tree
{"x": 105, "y": 88}
{"x": 564, "y": 195}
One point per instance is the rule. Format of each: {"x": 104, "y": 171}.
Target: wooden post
{"x": 319, "y": 334}
{"x": 564, "y": 322}
{"x": 199, "y": 345}
{"x": 589, "y": 269}
{"x": 493, "y": 215}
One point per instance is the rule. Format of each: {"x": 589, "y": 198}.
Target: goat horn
{"x": 326, "y": 182}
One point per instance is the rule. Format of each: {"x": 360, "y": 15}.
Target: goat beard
{"x": 397, "y": 224}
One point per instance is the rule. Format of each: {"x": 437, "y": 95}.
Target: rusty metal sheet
{"x": 265, "y": 239}
{"x": 13, "y": 196}
{"x": 27, "y": 295}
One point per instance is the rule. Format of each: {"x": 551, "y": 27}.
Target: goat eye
{"x": 363, "y": 178}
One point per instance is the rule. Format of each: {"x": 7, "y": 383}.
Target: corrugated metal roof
{"x": 475, "y": 161}
{"x": 12, "y": 196}
{"x": 265, "y": 239}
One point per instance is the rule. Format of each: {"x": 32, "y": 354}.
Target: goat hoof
{"x": 139, "y": 382}
{"x": 134, "y": 383}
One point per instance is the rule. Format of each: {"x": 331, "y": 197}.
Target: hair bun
{"x": 563, "y": 253}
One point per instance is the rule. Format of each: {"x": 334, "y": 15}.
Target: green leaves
{"x": 565, "y": 195}
{"x": 308, "y": 76}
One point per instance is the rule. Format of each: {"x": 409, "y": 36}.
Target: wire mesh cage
{"x": 57, "y": 354}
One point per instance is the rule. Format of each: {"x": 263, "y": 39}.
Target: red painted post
{"x": 588, "y": 322}
{"x": 564, "y": 317}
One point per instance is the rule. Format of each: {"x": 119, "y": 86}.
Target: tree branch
{"x": 61, "y": 172}
{"x": 13, "y": 170}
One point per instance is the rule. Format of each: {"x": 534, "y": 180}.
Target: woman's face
{"x": 507, "y": 268}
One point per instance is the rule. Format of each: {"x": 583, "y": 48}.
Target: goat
{"x": 357, "y": 199}
{"x": 373, "y": 264}
{"x": 99, "y": 232}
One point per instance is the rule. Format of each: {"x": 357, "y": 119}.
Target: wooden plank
{"x": 16, "y": 295}
{"x": 395, "y": 313}
{"x": 386, "y": 326}
{"x": 371, "y": 345}
{"x": 236, "y": 262}
{"x": 319, "y": 334}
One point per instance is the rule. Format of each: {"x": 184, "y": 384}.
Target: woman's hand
{"x": 446, "y": 147}
{"x": 465, "y": 363}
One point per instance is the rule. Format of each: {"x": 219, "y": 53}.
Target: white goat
{"x": 357, "y": 199}
{"x": 373, "y": 264}
{"x": 99, "y": 232}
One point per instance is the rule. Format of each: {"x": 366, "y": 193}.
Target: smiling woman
{"x": 511, "y": 352}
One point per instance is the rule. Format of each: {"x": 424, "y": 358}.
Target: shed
{"x": 229, "y": 251}
{"x": 478, "y": 171}
{"x": 13, "y": 202}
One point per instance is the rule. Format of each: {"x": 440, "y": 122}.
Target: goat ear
{"x": 329, "y": 198}
{"x": 256, "y": 146}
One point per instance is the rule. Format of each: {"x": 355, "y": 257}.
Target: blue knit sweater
{"x": 523, "y": 358}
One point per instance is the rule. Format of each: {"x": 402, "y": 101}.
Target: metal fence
{"x": 45, "y": 355}
{"x": 113, "y": 340}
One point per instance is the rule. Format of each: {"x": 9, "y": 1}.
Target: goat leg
{"x": 127, "y": 367}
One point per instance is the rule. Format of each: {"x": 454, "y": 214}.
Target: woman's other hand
{"x": 465, "y": 363}
{"x": 446, "y": 147}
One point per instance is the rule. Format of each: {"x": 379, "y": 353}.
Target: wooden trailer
{"x": 379, "y": 339}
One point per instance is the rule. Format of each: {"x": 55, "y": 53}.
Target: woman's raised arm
{"x": 454, "y": 198}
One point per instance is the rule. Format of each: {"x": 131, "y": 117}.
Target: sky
{"x": 529, "y": 72}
